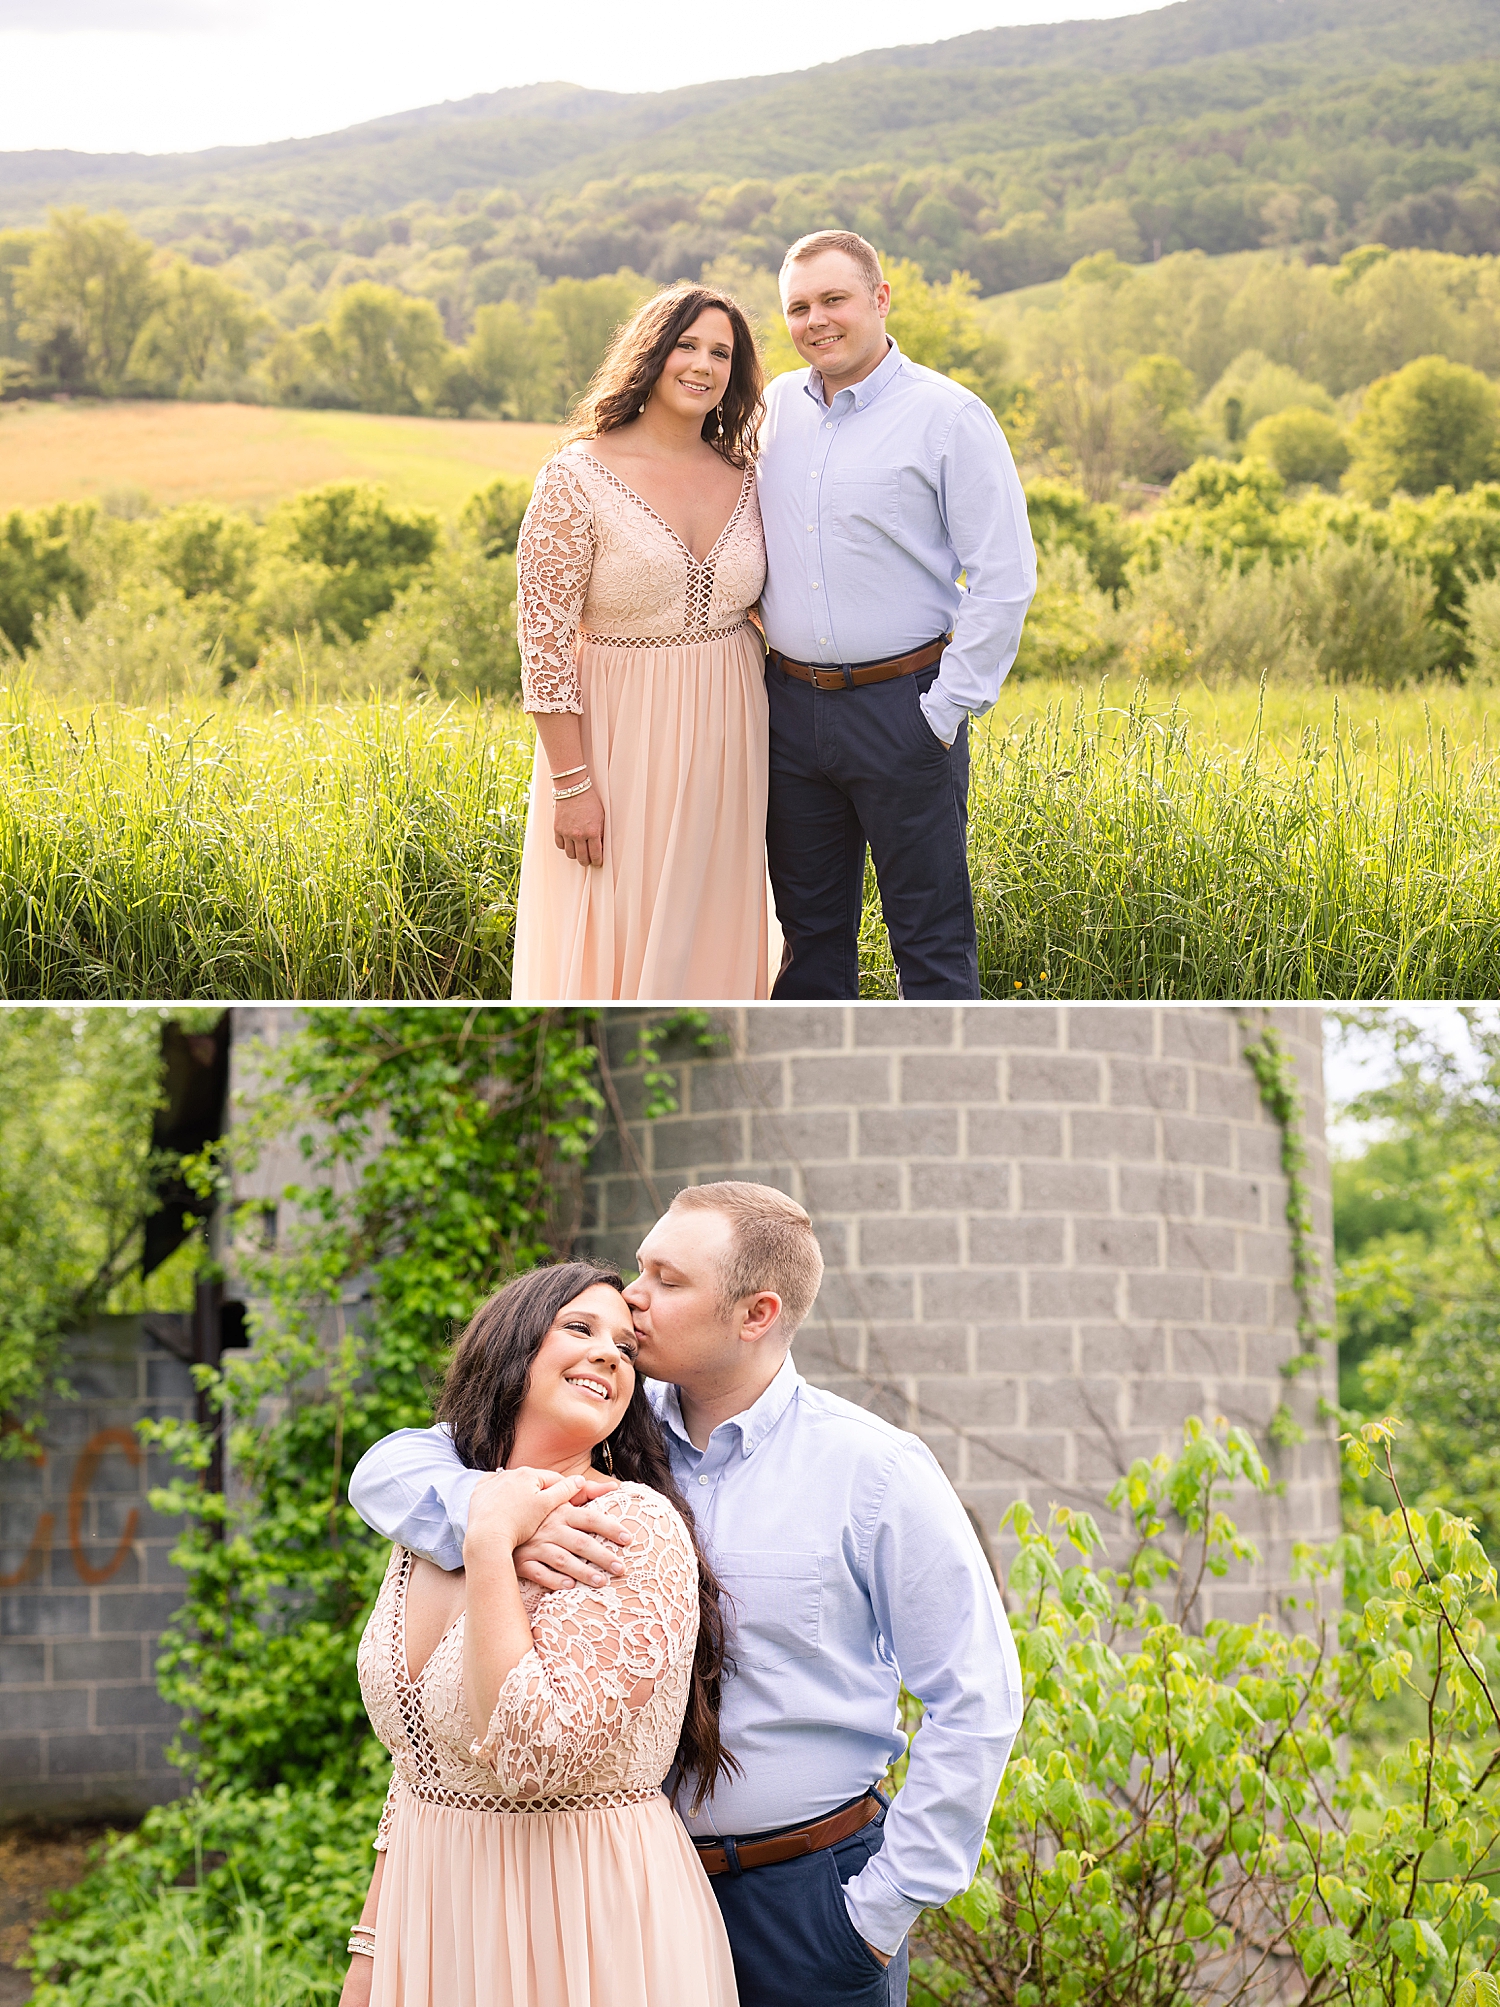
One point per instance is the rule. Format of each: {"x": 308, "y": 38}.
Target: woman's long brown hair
{"x": 638, "y": 353}
{"x": 480, "y": 1405}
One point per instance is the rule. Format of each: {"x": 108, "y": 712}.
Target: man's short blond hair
{"x": 863, "y": 253}
{"x": 774, "y": 1246}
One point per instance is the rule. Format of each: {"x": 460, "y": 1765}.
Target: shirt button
{"x": 817, "y": 585}
{"x": 703, "y": 1480}
{"x": 828, "y": 425}
{"x": 822, "y": 640}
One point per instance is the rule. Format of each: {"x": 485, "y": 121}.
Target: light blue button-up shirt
{"x": 873, "y": 506}
{"x": 851, "y": 1566}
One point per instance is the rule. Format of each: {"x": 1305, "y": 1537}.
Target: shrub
{"x": 37, "y": 568}
{"x": 1239, "y": 622}
{"x": 1302, "y": 445}
{"x": 1068, "y": 629}
{"x": 1252, "y": 388}
{"x": 1219, "y": 1812}
{"x": 1364, "y": 613}
{"x": 1482, "y": 622}
{"x": 1062, "y": 515}
{"x": 1432, "y": 424}
{"x": 146, "y": 644}
{"x": 1233, "y": 511}
{"x": 345, "y": 553}
{"x": 209, "y": 1895}
{"x": 493, "y": 516}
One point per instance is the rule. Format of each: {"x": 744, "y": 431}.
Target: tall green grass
{"x": 208, "y": 850}
{"x": 1224, "y": 843}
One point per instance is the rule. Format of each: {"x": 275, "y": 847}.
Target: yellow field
{"x": 247, "y": 455}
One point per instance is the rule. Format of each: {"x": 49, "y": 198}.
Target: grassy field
{"x": 247, "y": 456}
{"x": 1124, "y": 845}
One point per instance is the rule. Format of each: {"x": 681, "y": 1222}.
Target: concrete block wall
{"x": 1052, "y": 1232}
{"x": 86, "y": 1589}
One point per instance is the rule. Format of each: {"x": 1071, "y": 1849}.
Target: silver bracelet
{"x": 361, "y": 1942}
{"x": 567, "y": 793}
{"x": 571, "y": 770}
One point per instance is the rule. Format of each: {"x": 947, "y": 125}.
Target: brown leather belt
{"x": 855, "y": 675}
{"x": 718, "y": 1856}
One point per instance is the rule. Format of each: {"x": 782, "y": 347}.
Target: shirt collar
{"x": 757, "y": 1421}
{"x": 864, "y": 391}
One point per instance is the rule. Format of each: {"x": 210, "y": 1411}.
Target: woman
{"x": 527, "y": 1856}
{"x": 643, "y": 873}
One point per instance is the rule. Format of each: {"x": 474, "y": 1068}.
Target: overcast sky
{"x": 161, "y": 76}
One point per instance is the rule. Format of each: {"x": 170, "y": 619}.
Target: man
{"x": 849, "y": 1564}
{"x": 881, "y": 484}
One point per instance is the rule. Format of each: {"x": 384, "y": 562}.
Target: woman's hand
{"x": 358, "y": 1982}
{"x": 575, "y": 1543}
{"x": 507, "y": 1507}
{"x": 578, "y": 827}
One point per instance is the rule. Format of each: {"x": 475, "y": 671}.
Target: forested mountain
{"x": 1010, "y": 151}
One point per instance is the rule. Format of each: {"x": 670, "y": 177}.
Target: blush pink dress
{"x": 540, "y": 1865}
{"x": 654, "y": 651}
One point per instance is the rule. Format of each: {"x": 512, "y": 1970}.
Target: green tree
{"x": 78, "y": 1090}
{"x": 212, "y": 557}
{"x": 583, "y": 316}
{"x": 85, "y": 296}
{"x": 1418, "y": 1226}
{"x": 938, "y": 327}
{"x": 1161, "y": 433}
{"x": 515, "y": 359}
{"x": 199, "y": 332}
{"x": 205, "y": 549}
{"x": 338, "y": 555}
{"x": 16, "y": 247}
{"x": 379, "y": 350}
{"x": 1302, "y": 444}
{"x": 1432, "y": 424}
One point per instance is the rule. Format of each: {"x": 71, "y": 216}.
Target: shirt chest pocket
{"x": 777, "y": 1606}
{"x": 867, "y": 503}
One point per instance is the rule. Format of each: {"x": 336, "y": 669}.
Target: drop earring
{"x": 609, "y": 1462}
{"x": 721, "y": 417}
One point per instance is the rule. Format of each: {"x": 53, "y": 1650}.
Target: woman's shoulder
{"x": 643, "y": 1502}
{"x": 567, "y": 470}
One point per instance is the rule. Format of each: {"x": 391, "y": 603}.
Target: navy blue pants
{"x": 792, "y": 1939}
{"x": 858, "y": 769}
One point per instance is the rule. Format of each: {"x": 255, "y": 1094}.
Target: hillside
{"x": 1000, "y": 91}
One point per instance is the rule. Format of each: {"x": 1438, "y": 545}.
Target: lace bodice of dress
{"x": 594, "y": 558}
{"x": 590, "y": 1715}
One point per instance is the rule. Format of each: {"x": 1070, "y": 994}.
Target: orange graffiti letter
{"x": 83, "y": 1476}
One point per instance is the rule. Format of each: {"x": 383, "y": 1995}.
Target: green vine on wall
{"x": 1281, "y": 1097}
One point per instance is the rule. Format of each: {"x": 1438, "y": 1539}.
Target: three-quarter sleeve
{"x": 596, "y": 1657}
{"x": 554, "y": 560}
